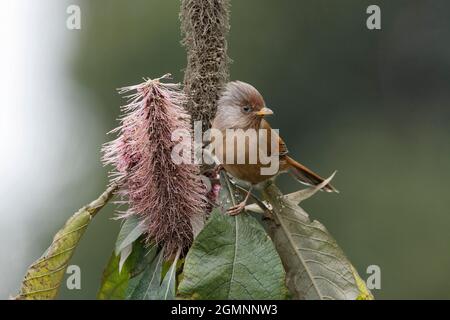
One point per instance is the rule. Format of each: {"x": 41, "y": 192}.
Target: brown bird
{"x": 241, "y": 106}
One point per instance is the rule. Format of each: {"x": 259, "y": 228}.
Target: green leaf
{"x": 168, "y": 285}
{"x": 115, "y": 282}
{"x": 44, "y": 276}
{"x": 232, "y": 258}
{"x": 131, "y": 230}
{"x": 364, "y": 293}
{"x": 147, "y": 286}
{"x": 316, "y": 267}
{"x": 124, "y": 254}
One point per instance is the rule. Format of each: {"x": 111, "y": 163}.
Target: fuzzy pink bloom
{"x": 165, "y": 196}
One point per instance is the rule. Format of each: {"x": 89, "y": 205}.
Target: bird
{"x": 241, "y": 106}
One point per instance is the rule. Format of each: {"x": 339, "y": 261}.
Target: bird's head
{"x": 240, "y": 106}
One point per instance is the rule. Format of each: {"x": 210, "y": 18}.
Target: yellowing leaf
{"x": 44, "y": 276}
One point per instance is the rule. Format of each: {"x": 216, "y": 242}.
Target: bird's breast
{"x": 245, "y": 155}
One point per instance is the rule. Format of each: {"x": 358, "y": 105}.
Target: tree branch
{"x": 205, "y": 26}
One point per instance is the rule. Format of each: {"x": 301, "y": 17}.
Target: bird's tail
{"x": 306, "y": 176}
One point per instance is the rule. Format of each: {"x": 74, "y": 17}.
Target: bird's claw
{"x": 237, "y": 209}
{"x": 218, "y": 169}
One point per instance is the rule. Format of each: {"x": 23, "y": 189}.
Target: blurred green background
{"x": 373, "y": 105}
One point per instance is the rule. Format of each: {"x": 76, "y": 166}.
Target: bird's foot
{"x": 218, "y": 169}
{"x": 237, "y": 209}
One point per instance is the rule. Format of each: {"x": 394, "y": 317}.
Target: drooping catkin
{"x": 164, "y": 195}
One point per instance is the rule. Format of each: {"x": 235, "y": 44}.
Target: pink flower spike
{"x": 165, "y": 196}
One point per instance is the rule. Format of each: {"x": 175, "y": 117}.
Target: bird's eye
{"x": 246, "y": 109}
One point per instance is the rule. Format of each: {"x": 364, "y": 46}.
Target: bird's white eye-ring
{"x": 246, "y": 109}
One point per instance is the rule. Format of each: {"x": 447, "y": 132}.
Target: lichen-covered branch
{"x": 205, "y": 26}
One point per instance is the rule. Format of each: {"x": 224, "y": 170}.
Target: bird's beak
{"x": 264, "y": 112}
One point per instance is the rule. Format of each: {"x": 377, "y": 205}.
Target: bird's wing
{"x": 302, "y": 173}
{"x": 282, "y": 148}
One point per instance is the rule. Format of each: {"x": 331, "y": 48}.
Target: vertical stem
{"x": 205, "y": 26}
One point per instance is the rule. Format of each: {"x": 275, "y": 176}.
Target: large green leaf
{"x": 232, "y": 258}
{"x": 316, "y": 267}
{"x": 44, "y": 277}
